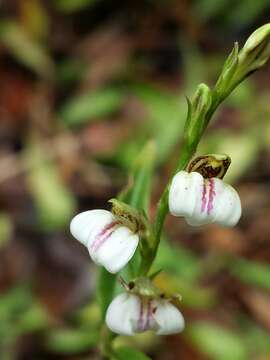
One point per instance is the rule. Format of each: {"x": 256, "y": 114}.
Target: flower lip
{"x": 129, "y": 314}
{"x": 109, "y": 242}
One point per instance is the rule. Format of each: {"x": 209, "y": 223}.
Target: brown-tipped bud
{"x": 210, "y": 166}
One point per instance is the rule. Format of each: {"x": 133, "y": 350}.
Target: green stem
{"x": 186, "y": 154}
{"x": 187, "y": 151}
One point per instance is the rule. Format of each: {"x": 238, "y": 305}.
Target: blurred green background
{"x": 84, "y": 85}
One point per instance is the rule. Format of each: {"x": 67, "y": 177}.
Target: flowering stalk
{"x": 124, "y": 235}
{"x": 238, "y": 66}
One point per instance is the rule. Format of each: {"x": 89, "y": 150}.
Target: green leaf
{"x": 5, "y": 229}
{"x": 251, "y": 272}
{"x": 194, "y": 296}
{"x": 217, "y": 342}
{"x": 165, "y": 112}
{"x": 34, "y": 319}
{"x": 70, "y": 6}
{"x": 105, "y": 289}
{"x": 54, "y": 202}
{"x": 128, "y": 353}
{"x": 257, "y": 339}
{"x": 138, "y": 195}
{"x": 91, "y": 106}
{"x": 15, "y": 302}
{"x": 141, "y": 176}
{"x": 178, "y": 260}
{"x": 70, "y": 341}
{"x": 25, "y": 49}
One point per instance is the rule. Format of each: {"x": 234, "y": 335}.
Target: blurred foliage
{"x": 217, "y": 342}
{"x": 91, "y": 106}
{"x": 111, "y": 76}
{"x": 55, "y": 203}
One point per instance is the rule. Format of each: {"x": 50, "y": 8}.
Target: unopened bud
{"x": 198, "y": 109}
{"x": 255, "y": 52}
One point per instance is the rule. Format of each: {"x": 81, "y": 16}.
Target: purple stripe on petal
{"x": 141, "y": 317}
{"x": 145, "y": 315}
{"x": 103, "y": 236}
{"x": 211, "y": 196}
{"x": 148, "y": 315}
{"x": 204, "y": 198}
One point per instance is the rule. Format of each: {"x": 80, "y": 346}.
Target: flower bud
{"x": 256, "y": 50}
{"x": 109, "y": 242}
{"x": 203, "y": 201}
{"x": 223, "y": 85}
{"x": 240, "y": 64}
{"x": 129, "y": 314}
{"x": 254, "y": 54}
{"x": 197, "y": 110}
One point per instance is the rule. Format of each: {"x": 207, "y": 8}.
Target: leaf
{"x": 217, "y": 342}
{"x": 54, "y": 202}
{"x": 193, "y": 296}
{"x": 141, "y": 176}
{"x": 178, "y": 260}
{"x": 70, "y": 6}
{"x": 128, "y": 353}
{"x": 15, "y": 301}
{"x": 34, "y": 319}
{"x": 138, "y": 195}
{"x": 25, "y": 49}
{"x": 35, "y": 18}
{"x": 70, "y": 341}
{"x": 5, "y": 229}
{"x": 164, "y": 123}
{"x": 105, "y": 290}
{"x": 166, "y": 117}
{"x": 251, "y": 272}
{"x": 91, "y": 106}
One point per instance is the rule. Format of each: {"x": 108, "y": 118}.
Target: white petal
{"x": 169, "y": 318}
{"x": 109, "y": 244}
{"x": 116, "y": 252}
{"x": 229, "y": 208}
{"x": 88, "y": 224}
{"x": 122, "y": 313}
{"x": 183, "y": 193}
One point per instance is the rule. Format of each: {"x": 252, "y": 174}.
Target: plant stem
{"x": 187, "y": 152}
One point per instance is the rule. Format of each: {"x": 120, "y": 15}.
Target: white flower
{"x": 129, "y": 314}
{"x": 109, "y": 242}
{"x": 202, "y": 201}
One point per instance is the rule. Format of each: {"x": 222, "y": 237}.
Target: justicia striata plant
{"x": 196, "y": 192}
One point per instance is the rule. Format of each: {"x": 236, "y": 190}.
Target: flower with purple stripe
{"x": 202, "y": 201}
{"x": 129, "y": 314}
{"x": 110, "y": 243}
